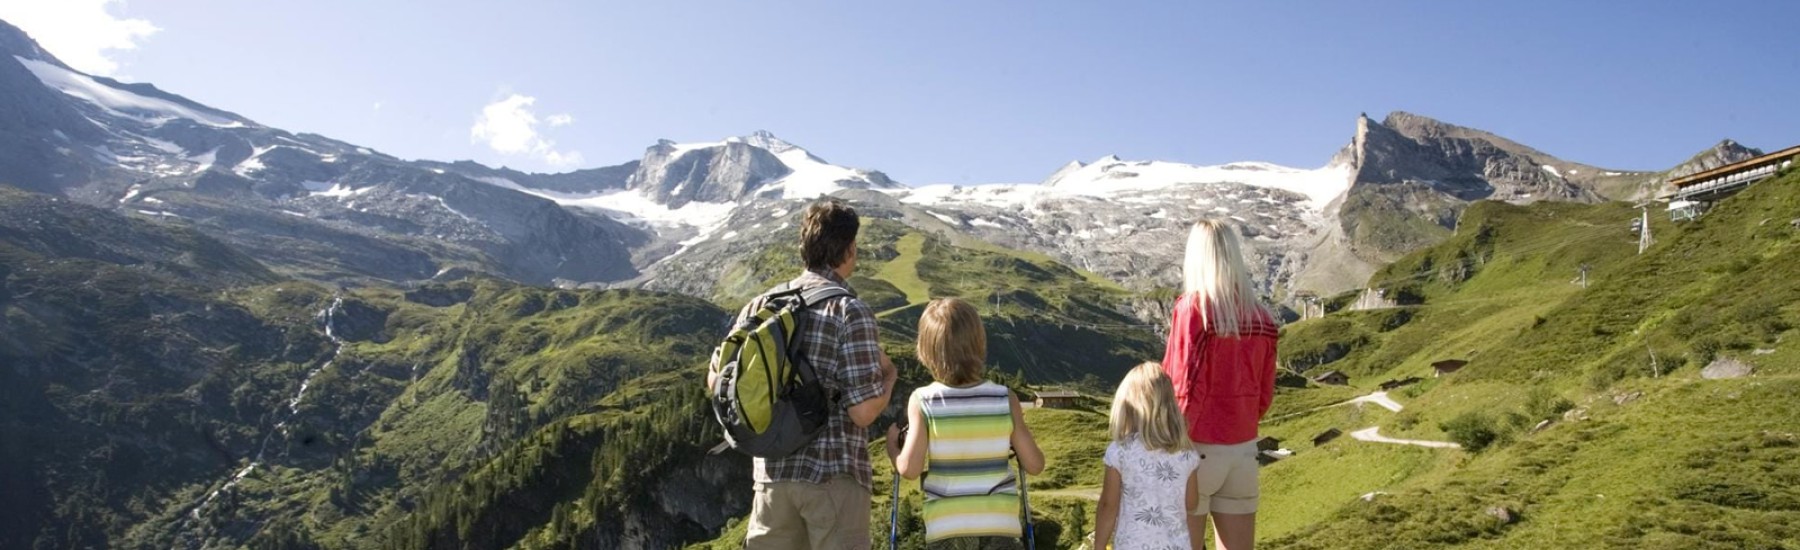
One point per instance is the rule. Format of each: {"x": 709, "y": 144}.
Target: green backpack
{"x": 767, "y": 395}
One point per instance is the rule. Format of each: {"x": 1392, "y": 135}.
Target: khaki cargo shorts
{"x": 1227, "y": 476}
{"x": 793, "y": 515}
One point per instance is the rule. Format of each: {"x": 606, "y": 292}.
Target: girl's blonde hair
{"x": 1216, "y": 277}
{"x": 1145, "y": 407}
{"x": 952, "y": 344}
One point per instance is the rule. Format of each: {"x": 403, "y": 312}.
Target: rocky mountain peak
{"x": 767, "y": 140}
{"x": 15, "y": 42}
{"x": 1063, "y": 172}
{"x": 1723, "y": 153}
{"x": 676, "y": 174}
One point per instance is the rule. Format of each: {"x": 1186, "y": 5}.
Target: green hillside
{"x": 164, "y": 390}
{"x": 1630, "y": 455}
{"x": 1638, "y": 449}
{"x": 1045, "y": 320}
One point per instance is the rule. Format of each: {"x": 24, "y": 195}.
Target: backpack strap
{"x": 818, "y": 294}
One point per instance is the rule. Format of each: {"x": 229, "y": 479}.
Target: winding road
{"x": 1373, "y": 434}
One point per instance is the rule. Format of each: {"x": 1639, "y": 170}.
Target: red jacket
{"x": 1224, "y": 384}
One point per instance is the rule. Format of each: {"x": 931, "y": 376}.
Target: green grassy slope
{"x": 1044, "y": 319}
{"x": 477, "y": 413}
{"x": 1637, "y": 452}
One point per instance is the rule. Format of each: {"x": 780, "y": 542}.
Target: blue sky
{"x": 962, "y": 92}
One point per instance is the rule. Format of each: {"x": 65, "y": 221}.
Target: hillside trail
{"x": 1379, "y": 398}
{"x": 1373, "y": 434}
{"x": 1087, "y": 493}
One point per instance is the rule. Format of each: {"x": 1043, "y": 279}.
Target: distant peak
{"x": 1063, "y": 172}
{"x": 16, "y": 42}
{"x": 1403, "y": 118}
{"x": 767, "y": 140}
{"x": 1109, "y": 159}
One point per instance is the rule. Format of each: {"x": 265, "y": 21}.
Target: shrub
{"x": 1473, "y": 430}
{"x": 1406, "y": 420}
{"x": 1544, "y": 403}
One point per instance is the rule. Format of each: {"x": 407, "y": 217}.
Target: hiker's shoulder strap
{"x": 815, "y": 295}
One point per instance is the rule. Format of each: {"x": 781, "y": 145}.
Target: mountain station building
{"x": 1696, "y": 192}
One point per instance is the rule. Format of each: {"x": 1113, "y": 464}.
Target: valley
{"x": 220, "y": 334}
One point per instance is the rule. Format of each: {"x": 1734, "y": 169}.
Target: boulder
{"x": 1724, "y": 368}
{"x": 1623, "y": 398}
{"x": 1502, "y": 513}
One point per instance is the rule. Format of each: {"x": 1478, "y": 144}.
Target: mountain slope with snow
{"x": 305, "y": 204}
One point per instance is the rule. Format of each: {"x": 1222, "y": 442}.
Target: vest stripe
{"x": 970, "y": 489}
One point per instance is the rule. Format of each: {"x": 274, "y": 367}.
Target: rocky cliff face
{"x": 1413, "y": 176}
{"x": 725, "y": 172}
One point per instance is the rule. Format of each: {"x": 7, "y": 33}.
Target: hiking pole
{"x": 894, "y": 503}
{"x": 1025, "y": 506}
{"x": 894, "y": 515}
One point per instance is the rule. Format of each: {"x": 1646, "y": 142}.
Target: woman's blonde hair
{"x": 1145, "y": 407}
{"x": 1215, "y": 275}
{"x": 952, "y": 344}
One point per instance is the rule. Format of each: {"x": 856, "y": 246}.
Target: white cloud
{"x": 509, "y": 127}
{"x": 563, "y": 119}
{"x": 79, "y": 32}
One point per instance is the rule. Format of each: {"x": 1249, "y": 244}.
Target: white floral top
{"x": 1153, "y": 500}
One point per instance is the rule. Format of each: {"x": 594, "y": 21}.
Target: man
{"x": 818, "y": 497}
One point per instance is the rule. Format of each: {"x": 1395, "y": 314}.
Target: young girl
{"x": 1150, "y": 486}
{"x": 963, "y": 433}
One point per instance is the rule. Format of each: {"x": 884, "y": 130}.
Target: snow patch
{"x": 1552, "y": 170}
{"x": 334, "y": 190}
{"x": 119, "y": 102}
{"x": 1112, "y": 179}
{"x": 204, "y": 161}
{"x": 253, "y": 164}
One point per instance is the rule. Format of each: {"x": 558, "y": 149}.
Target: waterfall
{"x": 326, "y": 318}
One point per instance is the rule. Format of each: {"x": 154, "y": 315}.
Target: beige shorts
{"x": 1228, "y": 478}
{"x": 793, "y": 515}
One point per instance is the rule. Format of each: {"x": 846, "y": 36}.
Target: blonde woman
{"x": 1150, "y": 488}
{"x": 1221, "y": 359}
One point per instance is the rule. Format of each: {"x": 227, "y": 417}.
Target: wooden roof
{"x": 1449, "y": 364}
{"x": 1697, "y": 177}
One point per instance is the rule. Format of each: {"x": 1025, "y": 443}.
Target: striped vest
{"x": 970, "y": 490}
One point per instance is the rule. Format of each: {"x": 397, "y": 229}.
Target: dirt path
{"x": 1379, "y": 398}
{"x": 1373, "y": 435}
{"x": 1088, "y": 493}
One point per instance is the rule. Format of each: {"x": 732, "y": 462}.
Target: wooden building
{"x": 1447, "y": 366}
{"x": 1400, "y": 382}
{"x": 1333, "y": 378}
{"x": 1057, "y": 399}
{"x": 1326, "y": 436}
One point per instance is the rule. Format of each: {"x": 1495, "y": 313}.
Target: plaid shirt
{"x": 838, "y": 336}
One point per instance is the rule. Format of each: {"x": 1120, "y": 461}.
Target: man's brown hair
{"x": 952, "y": 344}
{"x": 826, "y": 234}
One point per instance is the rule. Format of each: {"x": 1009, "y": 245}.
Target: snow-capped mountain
{"x": 1127, "y": 219}
{"x": 682, "y": 214}
{"x": 304, "y": 203}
